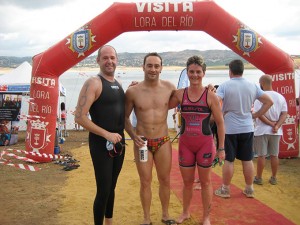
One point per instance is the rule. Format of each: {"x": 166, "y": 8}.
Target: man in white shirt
{"x": 268, "y": 130}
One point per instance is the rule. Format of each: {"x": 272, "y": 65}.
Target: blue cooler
{"x": 56, "y": 150}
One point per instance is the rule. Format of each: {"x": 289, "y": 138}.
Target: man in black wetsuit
{"x": 103, "y": 98}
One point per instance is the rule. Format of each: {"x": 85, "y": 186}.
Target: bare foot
{"x": 206, "y": 221}
{"x": 183, "y": 217}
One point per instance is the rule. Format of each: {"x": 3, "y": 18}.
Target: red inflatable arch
{"x": 204, "y": 16}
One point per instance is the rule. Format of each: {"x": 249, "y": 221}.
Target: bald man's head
{"x": 265, "y": 82}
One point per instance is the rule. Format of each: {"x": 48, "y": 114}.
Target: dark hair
{"x": 153, "y": 54}
{"x": 236, "y": 67}
{"x": 62, "y": 106}
{"x": 196, "y": 60}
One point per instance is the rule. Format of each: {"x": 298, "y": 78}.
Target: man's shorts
{"x": 267, "y": 144}
{"x": 239, "y": 146}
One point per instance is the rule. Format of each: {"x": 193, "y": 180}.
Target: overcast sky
{"x": 29, "y": 27}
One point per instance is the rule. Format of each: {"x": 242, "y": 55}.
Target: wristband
{"x": 220, "y": 149}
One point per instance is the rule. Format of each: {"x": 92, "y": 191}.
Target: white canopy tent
{"x": 18, "y": 81}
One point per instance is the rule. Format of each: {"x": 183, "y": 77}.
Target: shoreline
{"x": 121, "y": 68}
{"x": 4, "y": 70}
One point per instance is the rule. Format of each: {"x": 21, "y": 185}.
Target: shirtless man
{"x": 149, "y": 99}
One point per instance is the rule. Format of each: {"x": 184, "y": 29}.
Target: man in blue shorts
{"x": 238, "y": 96}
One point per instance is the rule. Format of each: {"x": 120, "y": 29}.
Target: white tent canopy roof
{"x": 21, "y": 76}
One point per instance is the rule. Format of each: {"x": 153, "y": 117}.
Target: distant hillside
{"x": 12, "y": 61}
{"x": 211, "y": 57}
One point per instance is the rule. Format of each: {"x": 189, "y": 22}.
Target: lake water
{"x": 73, "y": 82}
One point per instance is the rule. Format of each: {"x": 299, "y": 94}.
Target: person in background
{"x": 196, "y": 142}
{"x": 77, "y": 126}
{"x": 238, "y": 96}
{"x": 149, "y": 99}
{"x": 177, "y": 120}
{"x": 214, "y": 130}
{"x": 213, "y": 124}
{"x": 133, "y": 120}
{"x": 63, "y": 117}
{"x": 4, "y": 132}
{"x": 298, "y": 113}
{"x": 268, "y": 131}
{"x": 101, "y": 110}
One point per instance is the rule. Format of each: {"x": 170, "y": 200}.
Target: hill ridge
{"x": 170, "y": 58}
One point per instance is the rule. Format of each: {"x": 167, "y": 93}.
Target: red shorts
{"x": 196, "y": 149}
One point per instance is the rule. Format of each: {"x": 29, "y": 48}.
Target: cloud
{"x": 33, "y": 4}
{"x": 30, "y": 27}
{"x": 162, "y": 41}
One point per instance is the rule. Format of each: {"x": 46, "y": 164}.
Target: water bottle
{"x": 144, "y": 151}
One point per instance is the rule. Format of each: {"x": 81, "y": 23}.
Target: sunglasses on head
{"x": 217, "y": 161}
{"x": 115, "y": 149}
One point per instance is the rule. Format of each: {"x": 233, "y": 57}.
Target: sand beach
{"x": 54, "y": 196}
